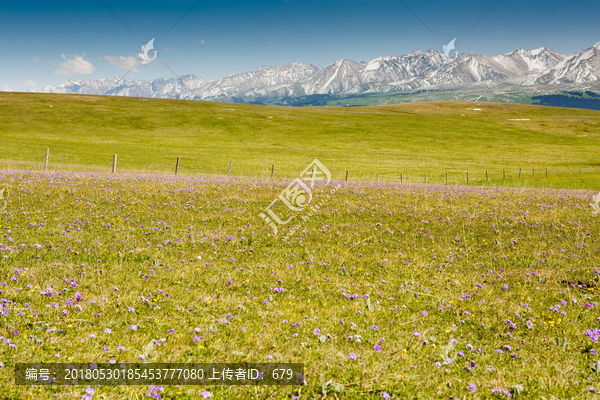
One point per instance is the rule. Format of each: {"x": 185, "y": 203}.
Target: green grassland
{"x": 401, "y": 291}
{"x": 414, "y": 139}
{"x": 405, "y": 291}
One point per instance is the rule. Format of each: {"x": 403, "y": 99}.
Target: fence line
{"x": 403, "y": 175}
{"x": 46, "y": 160}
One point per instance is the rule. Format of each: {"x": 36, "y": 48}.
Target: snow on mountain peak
{"x": 419, "y": 68}
{"x": 372, "y": 65}
{"x": 536, "y": 52}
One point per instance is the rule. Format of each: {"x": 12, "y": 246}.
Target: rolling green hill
{"x": 412, "y": 139}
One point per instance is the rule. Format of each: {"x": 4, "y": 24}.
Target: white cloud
{"x": 202, "y": 41}
{"x": 125, "y": 63}
{"x": 29, "y": 82}
{"x": 75, "y": 65}
{"x": 169, "y": 63}
{"x": 7, "y": 88}
{"x": 34, "y": 58}
{"x": 51, "y": 62}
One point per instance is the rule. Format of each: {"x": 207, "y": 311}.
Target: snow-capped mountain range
{"x": 419, "y": 69}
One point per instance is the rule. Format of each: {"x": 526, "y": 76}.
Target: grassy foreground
{"x": 414, "y": 139}
{"x": 390, "y": 291}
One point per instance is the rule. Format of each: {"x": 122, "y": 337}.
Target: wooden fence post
{"x": 486, "y": 177}
{"x": 400, "y": 178}
{"x": 467, "y": 176}
{"x": 503, "y": 174}
{"x": 177, "y": 166}
{"x": 46, "y": 160}
{"x": 272, "y": 171}
{"x": 377, "y": 178}
{"x": 519, "y": 173}
{"x": 229, "y": 170}
{"x": 346, "y": 175}
{"x": 546, "y": 172}
{"x": 114, "y": 168}
{"x": 446, "y": 178}
{"x": 426, "y": 178}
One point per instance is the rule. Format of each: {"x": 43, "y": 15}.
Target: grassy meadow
{"x": 414, "y": 139}
{"x": 388, "y": 291}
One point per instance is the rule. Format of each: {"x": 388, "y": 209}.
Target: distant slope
{"x": 588, "y": 100}
{"x": 83, "y": 133}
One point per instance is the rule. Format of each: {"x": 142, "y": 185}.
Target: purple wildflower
{"x": 594, "y": 334}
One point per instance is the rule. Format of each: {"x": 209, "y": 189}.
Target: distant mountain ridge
{"x": 416, "y": 70}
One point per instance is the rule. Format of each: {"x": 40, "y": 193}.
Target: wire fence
{"x": 494, "y": 176}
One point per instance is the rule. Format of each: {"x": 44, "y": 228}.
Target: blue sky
{"x": 48, "y": 42}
